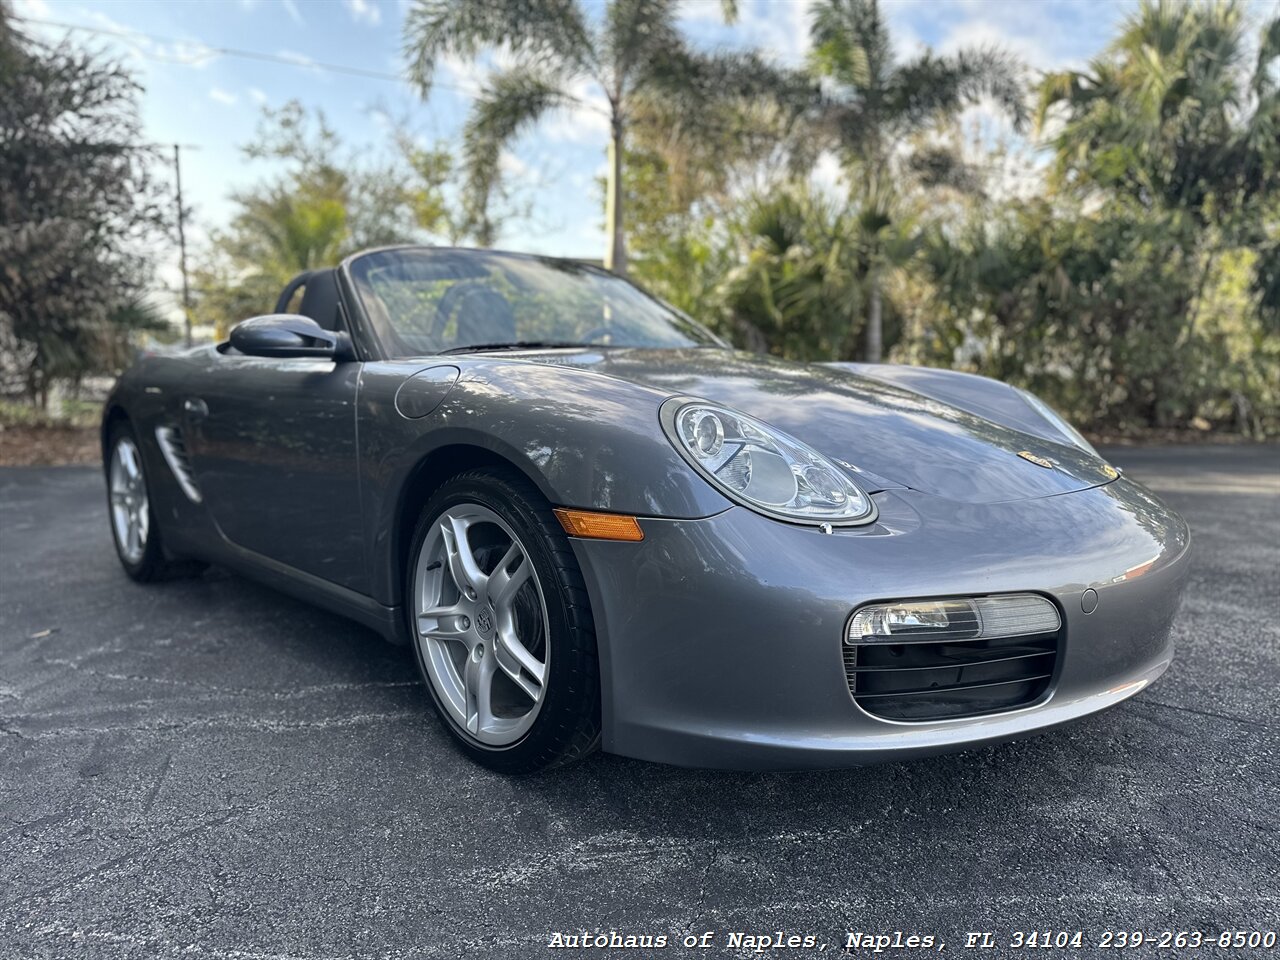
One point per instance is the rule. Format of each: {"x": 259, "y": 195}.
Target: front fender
{"x": 586, "y": 440}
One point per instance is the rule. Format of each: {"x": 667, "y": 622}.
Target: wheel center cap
{"x": 484, "y": 621}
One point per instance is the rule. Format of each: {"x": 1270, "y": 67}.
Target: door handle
{"x": 195, "y": 408}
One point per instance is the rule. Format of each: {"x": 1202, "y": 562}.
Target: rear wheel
{"x": 133, "y": 520}
{"x": 502, "y": 626}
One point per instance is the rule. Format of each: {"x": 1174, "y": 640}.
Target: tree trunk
{"x": 875, "y": 327}
{"x": 1189, "y": 323}
{"x": 38, "y": 384}
{"x": 616, "y": 256}
{"x": 752, "y": 338}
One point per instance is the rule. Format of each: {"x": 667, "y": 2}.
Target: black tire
{"x": 567, "y": 726}
{"x": 155, "y": 564}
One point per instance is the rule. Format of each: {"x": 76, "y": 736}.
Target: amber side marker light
{"x": 599, "y": 526}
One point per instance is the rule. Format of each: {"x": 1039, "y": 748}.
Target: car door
{"x": 273, "y": 443}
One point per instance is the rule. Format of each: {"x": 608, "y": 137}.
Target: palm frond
{"x": 1157, "y": 25}
{"x": 850, "y": 43}
{"x": 138, "y": 313}
{"x": 1264, "y": 80}
{"x": 1061, "y": 87}
{"x": 930, "y": 86}
{"x": 636, "y": 33}
{"x": 995, "y": 73}
{"x": 1171, "y": 113}
{"x": 694, "y": 88}
{"x": 511, "y": 102}
{"x": 549, "y": 31}
{"x": 942, "y": 166}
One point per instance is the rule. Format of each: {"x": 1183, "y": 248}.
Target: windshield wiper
{"x": 521, "y": 345}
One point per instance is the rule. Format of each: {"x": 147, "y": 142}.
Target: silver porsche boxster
{"x": 598, "y": 526}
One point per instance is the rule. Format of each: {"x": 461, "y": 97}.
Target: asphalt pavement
{"x": 207, "y": 768}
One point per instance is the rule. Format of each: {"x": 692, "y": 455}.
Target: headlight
{"x": 761, "y": 467}
{"x": 1056, "y": 420}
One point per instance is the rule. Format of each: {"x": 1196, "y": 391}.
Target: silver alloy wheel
{"x": 482, "y": 624}
{"x": 130, "y": 518}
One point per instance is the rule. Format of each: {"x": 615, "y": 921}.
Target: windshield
{"x": 429, "y": 301}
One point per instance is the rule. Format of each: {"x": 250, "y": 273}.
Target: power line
{"x": 720, "y": 126}
{"x": 207, "y": 50}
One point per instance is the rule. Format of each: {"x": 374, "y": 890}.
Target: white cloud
{"x": 826, "y": 176}
{"x": 363, "y": 11}
{"x": 779, "y": 29}
{"x": 709, "y": 11}
{"x": 257, "y": 96}
{"x": 585, "y": 121}
{"x": 904, "y": 39}
{"x": 37, "y": 9}
{"x": 512, "y": 166}
{"x": 981, "y": 32}
{"x": 468, "y": 74}
{"x": 588, "y": 241}
{"x": 191, "y": 53}
{"x": 295, "y": 15}
{"x": 218, "y": 95}
{"x": 1051, "y": 35}
{"x": 103, "y": 20}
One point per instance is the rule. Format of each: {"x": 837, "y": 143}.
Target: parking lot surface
{"x": 211, "y": 769}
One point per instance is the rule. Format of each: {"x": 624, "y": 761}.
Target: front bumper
{"x": 720, "y": 639}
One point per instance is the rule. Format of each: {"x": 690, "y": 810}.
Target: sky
{"x": 211, "y": 102}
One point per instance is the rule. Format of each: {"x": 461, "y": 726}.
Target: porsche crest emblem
{"x": 1038, "y": 461}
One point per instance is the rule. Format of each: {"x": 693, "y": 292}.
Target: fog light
{"x": 925, "y": 621}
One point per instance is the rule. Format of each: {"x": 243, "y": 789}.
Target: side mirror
{"x": 288, "y": 335}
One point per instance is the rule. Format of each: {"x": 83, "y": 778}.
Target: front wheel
{"x": 502, "y": 626}
{"x": 133, "y": 517}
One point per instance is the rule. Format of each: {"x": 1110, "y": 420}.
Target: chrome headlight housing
{"x": 762, "y": 468}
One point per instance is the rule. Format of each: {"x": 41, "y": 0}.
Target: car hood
{"x": 899, "y": 437}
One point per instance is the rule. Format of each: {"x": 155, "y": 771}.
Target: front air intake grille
{"x": 919, "y": 680}
{"x": 174, "y": 449}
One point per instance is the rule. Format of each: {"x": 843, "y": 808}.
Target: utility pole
{"x": 182, "y": 242}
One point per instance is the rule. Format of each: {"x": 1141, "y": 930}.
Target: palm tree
{"x": 797, "y": 284}
{"x": 1172, "y": 114}
{"x": 636, "y": 53}
{"x": 1176, "y": 117}
{"x": 875, "y": 109}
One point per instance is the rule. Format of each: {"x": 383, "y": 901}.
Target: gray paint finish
{"x": 719, "y": 634}
{"x": 914, "y": 439}
{"x": 778, "y": 697}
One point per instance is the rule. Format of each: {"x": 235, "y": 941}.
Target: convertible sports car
{"x": 598, "y": 525}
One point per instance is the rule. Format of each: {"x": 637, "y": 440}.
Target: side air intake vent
{"x": 175, "y": 455}
{"x": 920, "y": 660}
